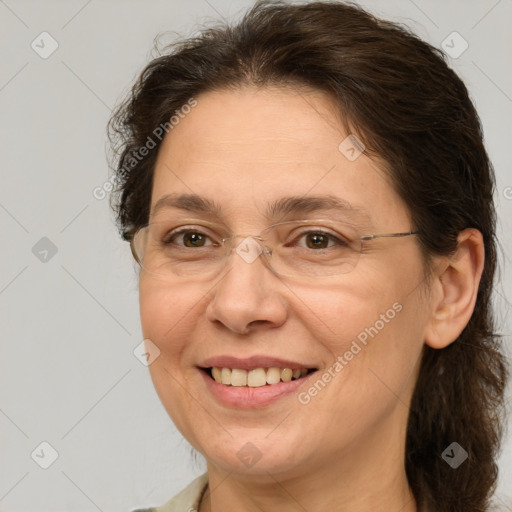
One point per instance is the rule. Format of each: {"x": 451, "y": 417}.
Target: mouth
{"x": 253, "y": 382}
{"x": 255, "y": 377}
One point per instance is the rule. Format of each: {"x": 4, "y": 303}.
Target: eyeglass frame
{"x": 267, "y": 250}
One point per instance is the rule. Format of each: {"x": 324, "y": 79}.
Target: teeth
{"x": 217, "y": 374}
{"x": 273, "y": 375}
{"x": 286, "y": 375}
{"x": 238, "y": 377}
{"x": 257, "y": 377}
{"x": 225, "y": 376}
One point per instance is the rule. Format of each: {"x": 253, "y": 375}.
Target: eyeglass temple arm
{"x": 388, "y": 235}
{"x": 363, "y": 238}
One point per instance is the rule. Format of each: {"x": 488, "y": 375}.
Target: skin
{"x": 344, "y": 450}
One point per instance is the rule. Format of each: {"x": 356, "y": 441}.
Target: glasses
{"x": 300, "y": 248}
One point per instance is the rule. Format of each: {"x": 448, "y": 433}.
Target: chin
{"x": 246, "y": 455}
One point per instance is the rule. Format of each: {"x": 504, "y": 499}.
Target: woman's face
{"x": 361, "y": 331}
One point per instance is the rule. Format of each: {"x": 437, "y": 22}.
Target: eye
{"x": 189, "y": 238}
{"x": 319, "y": 239}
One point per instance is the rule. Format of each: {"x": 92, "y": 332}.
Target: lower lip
{"x": 246, "y": 397}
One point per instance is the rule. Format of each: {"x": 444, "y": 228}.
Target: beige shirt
{"x": 186, "y": 501}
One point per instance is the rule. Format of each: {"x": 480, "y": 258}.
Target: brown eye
{"x": 317, "y": 241}
{"x": 193, "y": 239}
{"x": 188, "y": 238}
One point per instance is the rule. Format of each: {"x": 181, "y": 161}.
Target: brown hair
{"x": 398, "y": 95}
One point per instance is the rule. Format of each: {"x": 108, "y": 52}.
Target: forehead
{"x": 250, "y": 147}
{"x": 257, "y": 126}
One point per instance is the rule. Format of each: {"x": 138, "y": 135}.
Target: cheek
{"x": 371, "y": 323}
{"x": 374, "y": 339}
{"x": 352, "y": 310}
{"x": 167, "y": 314}
{"x": 168, "y": 317}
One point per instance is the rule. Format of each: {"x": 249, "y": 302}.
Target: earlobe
{"x": 455, "y": 289}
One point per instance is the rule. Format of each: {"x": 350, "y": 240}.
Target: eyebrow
{"x": 285, "y": 206}
{"x": 188, "y": 202}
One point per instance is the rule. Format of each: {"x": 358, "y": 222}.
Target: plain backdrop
{"x": 68, "y": 293}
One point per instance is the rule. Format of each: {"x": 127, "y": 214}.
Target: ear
{"x": 454, "y": 290}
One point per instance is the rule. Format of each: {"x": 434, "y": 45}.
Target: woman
{"x": 310, "y": 202}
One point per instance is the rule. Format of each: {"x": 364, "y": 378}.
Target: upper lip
{"x": 250, "y": 363}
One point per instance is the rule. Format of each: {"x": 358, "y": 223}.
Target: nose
{"x": 247, "y": 295}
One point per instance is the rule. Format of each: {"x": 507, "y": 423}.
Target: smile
{"x": 256, "y": 377}
{"x": 257, "y": 394}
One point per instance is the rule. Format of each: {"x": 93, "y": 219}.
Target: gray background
{"x": 70, "y": 324}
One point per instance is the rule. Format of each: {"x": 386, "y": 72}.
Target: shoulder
{"x": 186, "y": 501}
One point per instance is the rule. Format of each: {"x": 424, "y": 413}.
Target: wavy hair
{"x": 397, "y": 93}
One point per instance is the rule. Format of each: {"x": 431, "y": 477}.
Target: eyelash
{"x": 332, "y": 238}
{"x": 171, "y": 237}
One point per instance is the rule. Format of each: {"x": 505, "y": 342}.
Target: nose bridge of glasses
{"x": 235, "y": 237}
{"x": 249, "y": 247}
